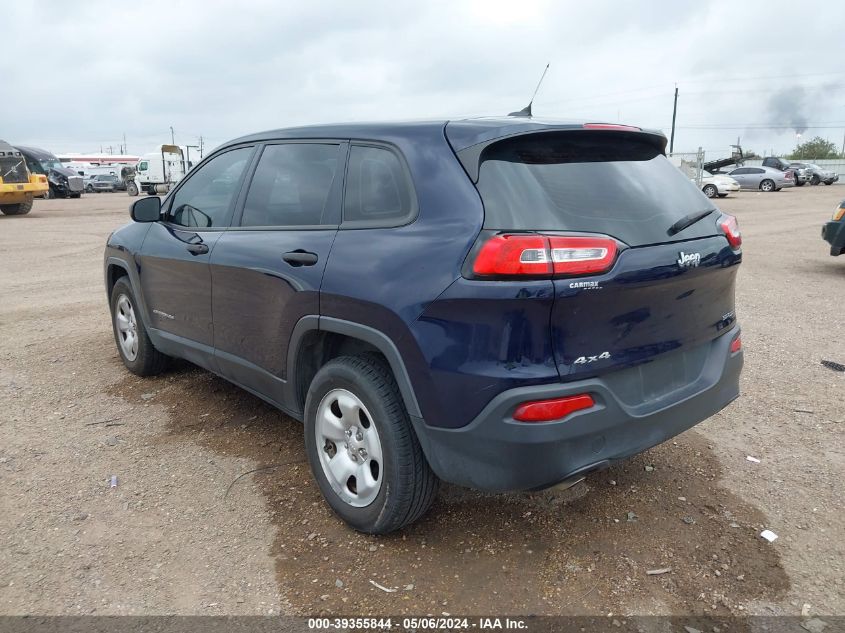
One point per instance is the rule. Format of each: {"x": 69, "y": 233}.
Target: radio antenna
{"x": 526, "y": 111}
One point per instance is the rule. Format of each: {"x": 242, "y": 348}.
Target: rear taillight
{"x": 736, "y": 344}
{"x": 555, "y": 409}
{"x": 514, "y": 255}
{"x": 730, "y": 226}
{"x": 839, "y": 213}
{"x": 544, "y": 255}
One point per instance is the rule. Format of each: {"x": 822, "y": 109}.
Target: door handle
{"x": 197, "y": 249}
{"x": 300, "y": 257}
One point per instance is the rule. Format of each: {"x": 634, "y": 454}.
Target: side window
{"x": 377, "y": 187}
{"x": 291, "y": 185}
{"x": 755, "y": 170}
{"x": 142, "y": 166}
{"x": 206, "y": 199}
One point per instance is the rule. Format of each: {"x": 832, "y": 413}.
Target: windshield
{"x": 601, "y": 182}
{"x": 50, "y": 163}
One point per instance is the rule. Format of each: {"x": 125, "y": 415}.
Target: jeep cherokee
{"x": 503, "y": 303}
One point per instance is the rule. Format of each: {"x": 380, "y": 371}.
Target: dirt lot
{"x": 181, "y": 533}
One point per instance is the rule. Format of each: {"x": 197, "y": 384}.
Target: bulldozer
{"x": 18, "y": 186}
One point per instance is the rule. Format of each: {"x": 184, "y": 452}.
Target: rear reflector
{"x": 543, "y": 255}
{"x": 736, "y": 344}
{"x": 611, "y": 126}
{"x": 548, "y": 410}
{"x": 729, "y": 225}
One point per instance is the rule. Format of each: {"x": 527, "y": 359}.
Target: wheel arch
{"x": 316, "y": 340}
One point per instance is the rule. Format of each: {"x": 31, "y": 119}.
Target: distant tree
{"x": 815, "y": 148}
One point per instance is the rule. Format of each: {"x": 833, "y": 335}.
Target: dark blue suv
{"x": 505, "y": 304}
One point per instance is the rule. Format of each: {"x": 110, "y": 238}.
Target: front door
{"x": 267, "y": 269}
{"x": 175, "y": 277}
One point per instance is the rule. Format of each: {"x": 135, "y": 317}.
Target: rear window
{"x": 600, "y": 182}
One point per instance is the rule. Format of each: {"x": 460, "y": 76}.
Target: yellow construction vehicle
{"x": 17, "y": 185}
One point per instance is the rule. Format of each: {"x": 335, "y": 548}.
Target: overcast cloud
{"x": 75, "y": 76}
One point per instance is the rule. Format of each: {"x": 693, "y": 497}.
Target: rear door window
{"x": 599, "y": 182}
{"x": 291, "y": 185}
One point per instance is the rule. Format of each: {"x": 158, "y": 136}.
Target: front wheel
{"x": 133, "y": 343}
{"x": 132, "y": 189}
{"x": 362, "y": 449}
{"x": 50, "y": 193}
{"x": 89, "y": 189}
{"x": 710, "y": 191}
{"x": 815, "y": 180}
{"x": 21, "y": 208}
{"x": 828, "y": 182}
{"x": 767, "y": 185}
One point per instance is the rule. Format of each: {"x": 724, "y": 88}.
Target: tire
{"x": 132, "y": 189}
{"x": 89, "y": 189}
{"x": 828, "y": 182}
{"x": 767, "y": 185}
{"x": 21, "y": 208}
{"x": 74, "y": 195}
{"x": 710, "y": 191}
{"x": 402, "y": 485}
{"x": 50, "y": 193}
{"x": 815, "y": 179}
{"x": 798, "y": 183}
{"x": 147, "y": 360}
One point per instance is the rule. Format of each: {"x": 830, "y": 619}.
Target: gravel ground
{"x": 182, "y": 533}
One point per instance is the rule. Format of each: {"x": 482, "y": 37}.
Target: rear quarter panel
{"x": 385, "y": 277}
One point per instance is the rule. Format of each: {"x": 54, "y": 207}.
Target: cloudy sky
{"x": 77, "y": 76}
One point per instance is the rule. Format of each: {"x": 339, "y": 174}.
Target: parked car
{"x": 762, "y": 178}
{"x": 833, "y": 232}
{"x": 713, "y": 185}
{"x": 486, "y": 301}
{"x": 820, "y": 174}
{"x": 800, "y": 175}
{"x": 102, "y": 182}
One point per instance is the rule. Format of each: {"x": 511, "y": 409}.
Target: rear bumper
{"x": 496, "y": 453}
{"x": 834, "y": 234}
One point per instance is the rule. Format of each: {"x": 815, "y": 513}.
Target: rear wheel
{"x": 362, "y": 449}
{"x": 710, "y": 191}
{"x": 767, "y": 185}
{"x": 133, "y": 343}
{"x": 21, "y": 208}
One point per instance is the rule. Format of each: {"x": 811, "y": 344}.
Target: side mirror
{"x": 146, "y": 209}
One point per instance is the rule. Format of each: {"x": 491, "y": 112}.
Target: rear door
{"x": 631, "y": 281}
{"x": 267, "y": 269}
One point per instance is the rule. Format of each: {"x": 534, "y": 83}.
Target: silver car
{"x": 762, "y": 178}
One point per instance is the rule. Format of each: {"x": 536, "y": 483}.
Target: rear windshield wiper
{"x": 688, "y": 220}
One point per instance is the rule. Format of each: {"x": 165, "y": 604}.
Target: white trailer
{"x": 157, "y": 172}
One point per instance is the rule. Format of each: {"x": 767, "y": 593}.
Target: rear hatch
{"x": 642, "y": 266}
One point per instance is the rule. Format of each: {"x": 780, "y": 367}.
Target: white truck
{"x": 157, "y": 172}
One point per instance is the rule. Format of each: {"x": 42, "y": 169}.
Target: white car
{"x": 713, "y": 185}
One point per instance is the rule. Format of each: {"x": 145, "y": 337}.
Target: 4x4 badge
{"x": 689, "y": 260}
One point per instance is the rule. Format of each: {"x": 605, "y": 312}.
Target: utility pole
{"x": 172, "y": 136}
{"x": 843, "y": 145}
{"x": 200, "y": 148}
{"x": 125, "y": 151}
{"x": 674, "y": 115}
